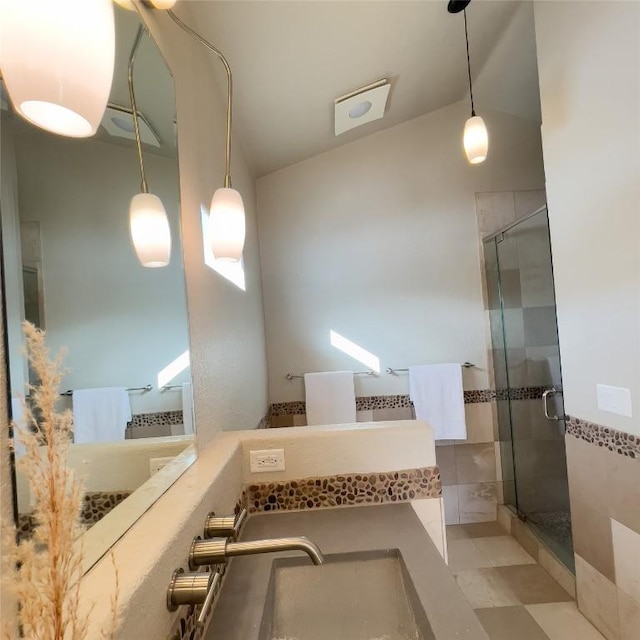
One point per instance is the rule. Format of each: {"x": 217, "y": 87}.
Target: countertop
{"x": 238, "y": 612}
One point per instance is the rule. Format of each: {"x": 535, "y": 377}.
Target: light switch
{"x": 614, "y": 399}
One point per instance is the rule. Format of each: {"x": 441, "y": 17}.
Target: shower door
{"x": 528, "y": 380}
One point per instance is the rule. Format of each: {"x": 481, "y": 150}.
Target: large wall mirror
{"x": 70, "y": 268}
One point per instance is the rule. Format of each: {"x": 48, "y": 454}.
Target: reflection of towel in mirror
{"x": 330, "y": 397}
{"x": 100, "y": 415}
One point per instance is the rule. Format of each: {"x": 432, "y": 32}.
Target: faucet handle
{"x": 188, "y": 588}
{"x": 223, "y": 526}
{"x": 207, "y": 552}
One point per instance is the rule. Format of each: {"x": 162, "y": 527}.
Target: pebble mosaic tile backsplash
{"x": 619, "y": 442}
{"x": 345, "y": 490}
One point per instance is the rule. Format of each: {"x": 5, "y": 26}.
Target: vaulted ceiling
{"x": 291, "y": 59}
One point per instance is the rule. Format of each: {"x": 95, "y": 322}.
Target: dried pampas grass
{"x": 48, "y": 565}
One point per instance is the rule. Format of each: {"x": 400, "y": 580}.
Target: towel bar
{"x": 465, "y": 365}
{"x": 291, "y": 376}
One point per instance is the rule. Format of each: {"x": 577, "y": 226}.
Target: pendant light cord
{"x": 134, "y": 108}
{"x": 466, "y": 37}
{"x": 208, "y": 45}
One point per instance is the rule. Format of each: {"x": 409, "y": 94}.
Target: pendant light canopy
{"x": 226, "y": 215}
{"x": 476, "y": 137}
{"x": 57, "y": 61}
{"x": 148, "y": 222}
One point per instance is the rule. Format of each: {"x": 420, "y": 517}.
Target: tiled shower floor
{"x": 554, "y": 528}
{"x": 511, "y": 594}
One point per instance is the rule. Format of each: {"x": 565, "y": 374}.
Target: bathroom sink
{"x": 364, "y": 595}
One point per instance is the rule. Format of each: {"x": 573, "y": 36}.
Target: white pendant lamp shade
{"x": 57, "y": 61}
{"x": 476, "y": 140}
{"x": 226, "y": 225}
{"x": 150, "y": 231}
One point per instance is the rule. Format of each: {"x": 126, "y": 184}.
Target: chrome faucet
{"x": 218, "y": 550}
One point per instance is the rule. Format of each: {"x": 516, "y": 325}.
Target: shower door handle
{"x": 545, "y": 403}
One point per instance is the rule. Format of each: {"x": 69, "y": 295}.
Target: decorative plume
{"x": 48, "y": 570}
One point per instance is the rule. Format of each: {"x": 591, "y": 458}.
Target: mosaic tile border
{"x": 159, "y": 418}
{"x": 371, "y": 403}
{"x": 345, "y": 490}
{"x": 619, "y": 442}
{"x": 95, "y": 506}
{"x": 520, "y": 393}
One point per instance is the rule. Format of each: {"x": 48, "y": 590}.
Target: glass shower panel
{"x": 532, "y": 444}
{"x": 501, "y": 381}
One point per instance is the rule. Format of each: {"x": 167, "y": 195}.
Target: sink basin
{"x": 364, "y": 595}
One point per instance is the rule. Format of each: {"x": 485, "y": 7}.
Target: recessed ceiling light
{"x": 363, "y": 105}
{"x": 358, "y": 110}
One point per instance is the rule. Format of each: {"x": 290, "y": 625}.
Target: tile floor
{"x": 511, "y": 594}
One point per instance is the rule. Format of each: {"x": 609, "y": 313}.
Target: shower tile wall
{"x": 604, "y": 484}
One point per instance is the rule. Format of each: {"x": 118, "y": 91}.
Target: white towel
{"x": 437, "y": 395}
{"x": 187, "y": 408}
{"x": 331, "y": 397}
{"x": 100, "y": 415}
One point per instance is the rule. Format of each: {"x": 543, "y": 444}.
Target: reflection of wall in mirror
{"x": 121, "y": 324}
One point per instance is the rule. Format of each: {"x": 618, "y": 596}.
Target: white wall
{"x": 589, "y": 66}
{"x": 377, "y": 240}
{"x": 120, "y": 323}
{"x": 226, "y": 325}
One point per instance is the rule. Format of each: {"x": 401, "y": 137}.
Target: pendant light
{"x": 476, "y": 138}
{"x": 226, "y": 214}
{"x": 148, "y": 223}
{"x": 57, "y": 62}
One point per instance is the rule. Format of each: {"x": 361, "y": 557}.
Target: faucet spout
{"x": 277, "y": 544}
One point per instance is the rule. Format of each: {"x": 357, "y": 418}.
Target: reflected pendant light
{"x": 57, "y": 61}
{"x": 148, "y": 222}
{"x": 476, "y": 138}
{"x": 226, "y": 214}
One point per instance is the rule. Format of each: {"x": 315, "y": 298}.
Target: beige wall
{"x": 228, "y": 361}
{"x": 377, "y": 240}
{"x": 95, "y": 290}
{"x": 589, "y": 66}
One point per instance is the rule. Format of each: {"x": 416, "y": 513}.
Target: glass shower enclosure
{"x": 526, "y": 361}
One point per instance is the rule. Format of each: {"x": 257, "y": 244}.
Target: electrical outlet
{"x": 266, "y": 460}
